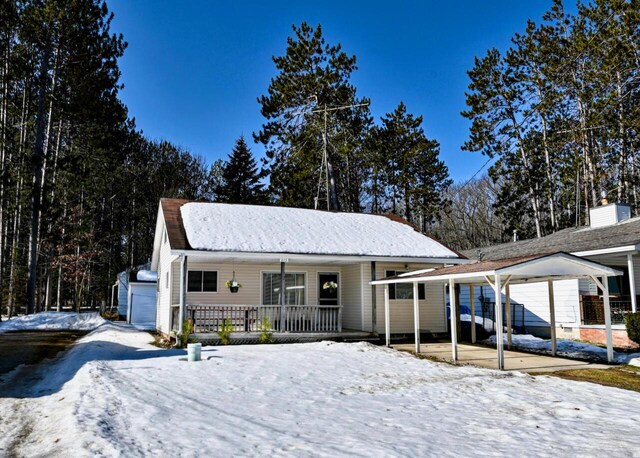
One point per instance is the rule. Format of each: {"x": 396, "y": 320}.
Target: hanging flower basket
{"x": 233, "y": 286}
{"x": 330, "y": 285}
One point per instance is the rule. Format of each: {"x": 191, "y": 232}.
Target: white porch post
{"x": 607, "y": 318}
{"x": 416, "y": 316}
{"x": 632, "y": 283}
{"x": 472, "y": 305}
{"x": 497, "y": 288}
{"x": 283, "y": 311}
{"x": 453, "y": 315}
{"x": 507, "y": 304}
{"x": 552, "y": 317}
{"x": 387, "y": 326}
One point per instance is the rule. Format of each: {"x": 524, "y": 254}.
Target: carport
{"x": 499, "y": 275}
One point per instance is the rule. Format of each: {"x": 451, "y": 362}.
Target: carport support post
{"x": 552, "y": 317}
{"x": 416, "y": 315}
{"x": 632, "y": 284}
{"x": 507, "y": 304}
{"x": 453, "y": 314}
{"x": 607, "y": 318}
{"x": 387, "y": 327}
{"x": 472, "y": 305}
{"x": 499, "y": 326}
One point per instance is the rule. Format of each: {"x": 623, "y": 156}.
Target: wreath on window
{"x": 330, "y": 285}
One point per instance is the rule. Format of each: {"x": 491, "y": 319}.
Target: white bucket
{"x": 194, "y": 352}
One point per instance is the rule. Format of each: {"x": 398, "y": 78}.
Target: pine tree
{"x": 414, "y": 177}
{"x": 313, "y": 75}
{"x": 240, "y": 183}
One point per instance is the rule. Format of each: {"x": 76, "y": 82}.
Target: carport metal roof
{"x": 500, "y": 274}
{"x": 528, "y": 269}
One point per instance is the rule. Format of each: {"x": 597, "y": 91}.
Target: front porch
{"x": 209, "y": 318}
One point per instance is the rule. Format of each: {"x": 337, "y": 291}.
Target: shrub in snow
{"x": 266, "y": 336}
{"x": 225, "y": 331}
{"x": 632, "y": 322}
{"x": 185, "y": 337}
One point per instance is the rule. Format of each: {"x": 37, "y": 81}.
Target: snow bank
{"x": 568, "y": 348}
{"x": 256, "y": 229}
{"x": 635, "y": 362}
{"x": 53, "y": 321}
{"x": 488, "y": 323}
{"x": 113, "y": 394}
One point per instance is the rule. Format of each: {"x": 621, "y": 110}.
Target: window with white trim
{"x": 202, "y": 281}
{"x": 403, "y": 291}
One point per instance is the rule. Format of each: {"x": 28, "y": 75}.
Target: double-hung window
{"x": 403, "y": 291}
{"x": 202, "y": 281}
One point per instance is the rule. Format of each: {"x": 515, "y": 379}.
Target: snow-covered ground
{"x": 53, "y": 321}
{"x": 568, "y": 348}
{"x": 113, "y": 394}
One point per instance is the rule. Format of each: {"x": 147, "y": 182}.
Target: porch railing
{"x": 592, "y": 309}
{"x": 251, "y": 318}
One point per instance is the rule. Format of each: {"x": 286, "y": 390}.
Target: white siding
{"x": 163, "y": 310}
{"x": 250, "y": 277}
{"x": 351, "y": 297}
{"x": 432, "y": 311}
{"x": 535, "y": 298}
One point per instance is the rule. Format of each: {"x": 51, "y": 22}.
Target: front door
{"x": 328, "y": 288}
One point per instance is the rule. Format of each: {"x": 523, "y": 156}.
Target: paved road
{"x": 18, "y": 348}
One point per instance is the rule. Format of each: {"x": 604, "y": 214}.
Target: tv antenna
{"x": 326, "y": 168}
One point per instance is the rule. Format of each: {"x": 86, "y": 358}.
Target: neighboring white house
{"x": 612, "y": 239}
{"x": 328, "y": 260}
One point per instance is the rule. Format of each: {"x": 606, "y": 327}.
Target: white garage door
{"x": 143, "y": 306}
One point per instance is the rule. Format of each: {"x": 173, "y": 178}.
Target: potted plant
{"x": 233, "y": 284}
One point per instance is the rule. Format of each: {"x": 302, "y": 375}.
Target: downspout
{"x": 113, "y": 296}
{"x": 374, "y": 323}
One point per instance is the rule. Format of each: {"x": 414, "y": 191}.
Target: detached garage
{"x": 141, "y": 300}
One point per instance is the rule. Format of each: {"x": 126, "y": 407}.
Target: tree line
{"x": 79, "y": 184}
{"x": 558, "y": 113}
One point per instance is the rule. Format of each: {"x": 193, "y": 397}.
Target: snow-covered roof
{"x": 261, "y": 229}
{"x": 147, "y": 275}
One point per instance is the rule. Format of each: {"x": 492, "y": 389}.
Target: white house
{"x": 323, "y": 262}
{"x": 612, "y": 239}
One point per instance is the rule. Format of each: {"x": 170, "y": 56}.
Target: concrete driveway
{"x": 482, "y": 356}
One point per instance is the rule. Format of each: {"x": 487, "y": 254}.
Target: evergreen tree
{"x": 413, "y": 175}
{"x": 240, "y": 178}
{"x": 314, "y": 75}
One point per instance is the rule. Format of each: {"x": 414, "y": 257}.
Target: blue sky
{"x": 194, "y": 68}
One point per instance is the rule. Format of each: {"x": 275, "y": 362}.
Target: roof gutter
{"x": 276, "y": 257}
{"x": 616, "y": 250}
